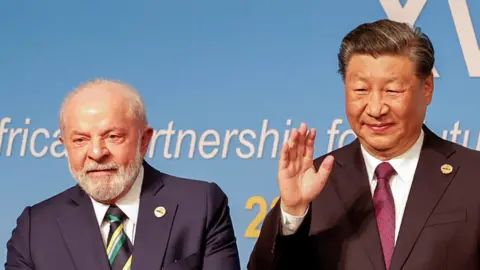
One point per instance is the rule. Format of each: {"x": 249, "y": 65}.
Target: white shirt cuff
{"x": 290, "y": 223}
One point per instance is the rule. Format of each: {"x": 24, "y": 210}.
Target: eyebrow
{"x": 78, "y": 132}
{"x": 355, "y": 77}
{"x": 365, "y": 79}
{"x": 112, "y": 129}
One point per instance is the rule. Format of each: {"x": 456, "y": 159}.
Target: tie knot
{"x": 384, "y": 171}
{"x": 114, "y": 214}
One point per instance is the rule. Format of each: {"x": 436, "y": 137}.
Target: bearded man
{"x": 123, "y": 214}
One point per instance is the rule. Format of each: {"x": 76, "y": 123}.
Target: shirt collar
{"x": 128, "y": 204}
{"x": 404, "y": 165}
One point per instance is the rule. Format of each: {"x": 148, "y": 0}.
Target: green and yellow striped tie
{"x": 119, "y": 247}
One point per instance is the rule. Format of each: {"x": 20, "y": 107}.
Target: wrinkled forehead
{"x": 387, "y": 68}
{"x": 96, "y": 110}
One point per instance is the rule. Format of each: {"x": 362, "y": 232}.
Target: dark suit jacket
{"x": 440, "y": 227}
{"x": 196, "y": 232}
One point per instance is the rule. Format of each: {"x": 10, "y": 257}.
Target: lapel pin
{"x": 446, "y": 168}
{"x": 160, "y": 211}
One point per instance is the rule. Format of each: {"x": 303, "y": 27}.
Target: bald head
{"x": 110, "y": 94}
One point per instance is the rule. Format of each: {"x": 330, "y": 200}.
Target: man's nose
{"x": 376, "y": 106}
{"x": 97, "y": 150}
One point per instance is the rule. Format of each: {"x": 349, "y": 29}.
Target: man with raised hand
{"x": 398, "y": 196}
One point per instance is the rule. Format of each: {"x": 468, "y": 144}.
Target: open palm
{"x": 298, "y": 180}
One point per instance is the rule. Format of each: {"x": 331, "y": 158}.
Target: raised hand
{"x": 298, "y": 180}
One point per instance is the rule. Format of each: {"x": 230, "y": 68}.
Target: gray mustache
{"x": 96, "y": 166}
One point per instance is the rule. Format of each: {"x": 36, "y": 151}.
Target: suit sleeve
{"x": 18, "y": 246}
{"x": 273, "y": 250}
{"x": 221, "y": 252}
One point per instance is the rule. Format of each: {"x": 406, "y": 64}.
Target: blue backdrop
{"x": 222, "y": 80}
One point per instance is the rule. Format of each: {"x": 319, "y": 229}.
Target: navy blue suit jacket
{"x": 195, "y": 233}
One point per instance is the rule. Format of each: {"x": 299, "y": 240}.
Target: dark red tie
{"x": 385, "y": 210}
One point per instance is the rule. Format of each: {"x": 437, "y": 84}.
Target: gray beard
{"x": 108, "y": 188}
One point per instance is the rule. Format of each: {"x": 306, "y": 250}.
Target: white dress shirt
{"x": 400, "y": 183}
{"x": 128, "y": 204}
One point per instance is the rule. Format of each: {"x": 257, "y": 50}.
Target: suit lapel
{"x": 428, "y": 186}
{"x": 152, "y": 232}
{"x": 81, "y": 233}
{"x": 353, "y": 188}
